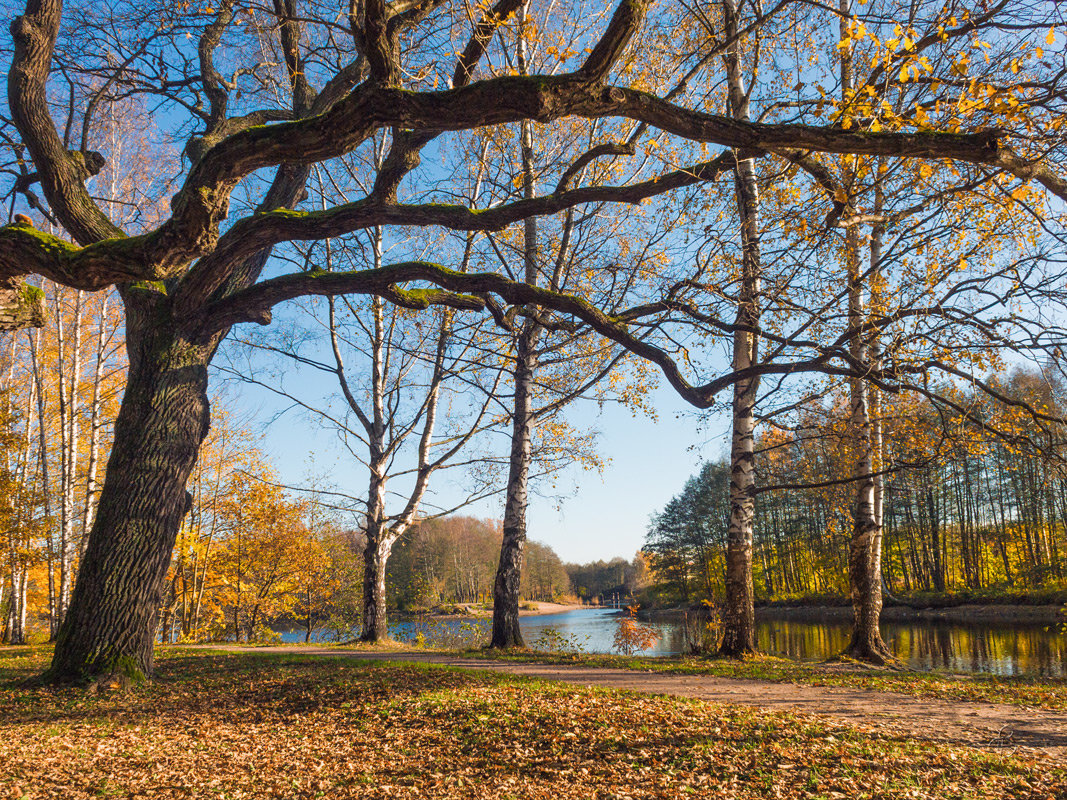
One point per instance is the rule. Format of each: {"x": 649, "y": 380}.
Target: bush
{"x": 552, "y": 640}
{"x": 444, "y": 633}
{"x": 701, "y": 629}
{"x": 632, "y": 636}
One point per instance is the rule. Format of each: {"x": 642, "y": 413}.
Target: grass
{"x": 256, "y": 725}
{"x": 1044, "y": 693}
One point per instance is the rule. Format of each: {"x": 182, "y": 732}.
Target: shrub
{"x": 631, "y": 635}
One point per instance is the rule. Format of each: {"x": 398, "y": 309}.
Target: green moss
{"x": 48, "y": 242}
{"x": 31, "y": 295}
{"x": 288, "y": 213}
{"x": 150, "y": 286}
{"x": 422, "y": 298}
{"x": 127, "y": 667}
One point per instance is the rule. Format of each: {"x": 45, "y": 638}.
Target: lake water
{"x": 924, "y": 645}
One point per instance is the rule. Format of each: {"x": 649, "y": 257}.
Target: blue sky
{"x": 650, "y": 461}
{"x": 602, "y": 515}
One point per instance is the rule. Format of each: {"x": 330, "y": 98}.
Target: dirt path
{"x": 986, "y": 725}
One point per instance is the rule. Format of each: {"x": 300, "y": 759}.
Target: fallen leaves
{"x": 255, "y": 726}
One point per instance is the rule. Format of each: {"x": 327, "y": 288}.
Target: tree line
{"x": 969, "y": 508}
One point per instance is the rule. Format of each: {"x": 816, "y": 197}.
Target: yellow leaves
{"x": 1050, "y": 38}
{"x": 1021, "y": 194}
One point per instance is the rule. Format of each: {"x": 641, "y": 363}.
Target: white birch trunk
{"x": 739, "y": 626}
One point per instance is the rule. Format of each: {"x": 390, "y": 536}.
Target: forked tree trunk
{"x": 865, "y": 546}
{"x": 378, "y": 545}
{"x": 109, "y": 628}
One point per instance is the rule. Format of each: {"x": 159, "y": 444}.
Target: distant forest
{"x": 965, "y": 510}
{"x": 453, "y": 560}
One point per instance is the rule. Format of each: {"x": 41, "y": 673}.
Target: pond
{"x": 923, "y": 645}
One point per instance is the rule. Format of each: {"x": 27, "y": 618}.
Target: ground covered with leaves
{"x": 253, "y": 726}
{"x": 1049, "y": 694}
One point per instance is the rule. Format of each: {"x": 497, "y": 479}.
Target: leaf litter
{"x": 253, "y": 726}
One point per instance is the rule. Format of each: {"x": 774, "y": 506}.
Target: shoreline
{"x": 474, "y": 611}
{"x": 984, "y": 614}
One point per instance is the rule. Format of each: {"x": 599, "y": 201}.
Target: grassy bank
{"x": 1045, "y": 693}
{"x": 268, "y": 726}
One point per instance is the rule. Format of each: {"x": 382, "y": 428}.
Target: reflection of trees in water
{"x": 800, "y": 640}
{"x": 1004, "y": 651}
{"x": 960, "y": 648}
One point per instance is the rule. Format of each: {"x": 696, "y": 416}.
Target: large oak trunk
{"x": 110, "y": 625}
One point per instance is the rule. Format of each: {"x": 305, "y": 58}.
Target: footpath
{"x": 992, "y": 726}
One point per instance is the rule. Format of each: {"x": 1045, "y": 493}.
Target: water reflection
{"x": 930, "y": 645}
{"x": 924, "y": 645}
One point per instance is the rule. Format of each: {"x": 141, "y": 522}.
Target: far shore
{"x": 542, "y": 609}
{"x": 985, "y": 614}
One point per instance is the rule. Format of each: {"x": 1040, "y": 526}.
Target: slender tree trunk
{"x": 68, "y": 426}
{"x": 865, "y": 545}
{"x": 506, "y": 586}
{"x": 94, "y": 426}
{"x": 508, "y": 581}
{"x": 46, "y": 489}
{"x": 865, "y": 550}
{"x": 738, "y": 617}
{"x": 109, "y": 628}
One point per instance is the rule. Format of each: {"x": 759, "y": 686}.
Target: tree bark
{"x": 508, "y": 581}
{"x": 865, "y": 545}
{"x": 506, "y": 586}
{"x": 21, "y": 305}
{"x": 738, "y": 618}
{"x": 375, "y": 557}
{"x": 108, "y": 631}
